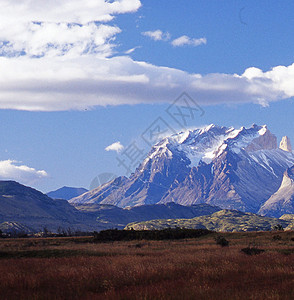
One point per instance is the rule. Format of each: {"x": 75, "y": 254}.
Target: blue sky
{"x": 77, "y": 81}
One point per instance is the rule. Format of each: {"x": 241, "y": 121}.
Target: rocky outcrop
{"x": 285, "y": 144}
{"x": 267, "y": 141}
{"x": 282, "y": 201}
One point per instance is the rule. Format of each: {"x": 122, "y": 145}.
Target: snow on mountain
{"x": 228, "y": 167}
{"x": 282, "y": 201}
{"x": 207, "y": 143}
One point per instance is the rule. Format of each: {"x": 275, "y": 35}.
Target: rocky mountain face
{"x": 226, "y": 167}
{"x": 66, "y": 193}
{"x": 282, "y": 201}
{"x": 285, "y": 144}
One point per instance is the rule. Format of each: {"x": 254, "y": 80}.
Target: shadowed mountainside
{"x": 66, "y": 193}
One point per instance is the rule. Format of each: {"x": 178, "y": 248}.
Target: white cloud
{"x": 117, "y": 147}
{"x": 69, "y": 11}
{"x": 187, "y": 41}
{"x": 61, "y": 83}
{"x": 39, "y": 28}
{"x": 52, "y": 39}
{"x": 157, "y": 35}
{"x": 132, "y": 50}
{"x": 11, "y": 170}
{"x": 56, "y": 56}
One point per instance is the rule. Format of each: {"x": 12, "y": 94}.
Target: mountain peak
{"x": 208, "y": 142}
{"x": 265, "y": 141}
{"x": 285, "y": 144}
{"x": 282, "y": 201}
{"x": 66, "y": 193}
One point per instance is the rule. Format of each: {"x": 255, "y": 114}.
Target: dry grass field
{"x": 77, "y": 268}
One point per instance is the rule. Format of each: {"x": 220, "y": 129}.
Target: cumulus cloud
{"x": 117, "y": 147}
{"x": 58, "y": 55}
{"x": 38, "y": 28}
{"x": 53, "y": 39}
{"x": 187, "y": 41}
{"x": 69, "y": 11}
{"x": 157, "y": 35}
{"x": 12, "y": 170}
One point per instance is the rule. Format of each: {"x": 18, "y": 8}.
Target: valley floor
{"x": 77, "y": 268}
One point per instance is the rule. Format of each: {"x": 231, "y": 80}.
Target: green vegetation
{"x": 224, "y": 220}
{"x": 290, "y": 219}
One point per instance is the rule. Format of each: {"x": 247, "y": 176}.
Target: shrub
{"x": 252, "y": 250}
{"x": 164, "y": 234}
{"x": 277, "y": 237}
{"x": 278, "y": 227}
{"x": 220, "y": 240}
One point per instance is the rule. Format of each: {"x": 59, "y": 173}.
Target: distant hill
{"x": 290, "y": 218}
{"x": 31, "y": 208}
{"x": 224, "y": 220}
{"x": 25, "y": 209}
{"x": 66, "y": 193}
{"x": 15, "y": 227}
{"x": 115, "y": 217}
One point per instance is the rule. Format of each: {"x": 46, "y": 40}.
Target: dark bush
{"x": 164, "y": 234}
{"x": 252, "y": 250}
{"x": 220, "y": 240}
{"x": 278, "y": 227}
{"x": 277, "y": 237}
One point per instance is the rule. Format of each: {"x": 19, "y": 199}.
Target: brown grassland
{"x": 77, "y": 268}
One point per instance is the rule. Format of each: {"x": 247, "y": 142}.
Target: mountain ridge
{"x": 29, "y": 207}
{"x": 66, "y": 193}
{"x": 221, "y": 166}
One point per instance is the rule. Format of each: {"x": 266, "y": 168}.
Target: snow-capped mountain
{"x": 281, "y": 202}
{"x": 227, "y": 167}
